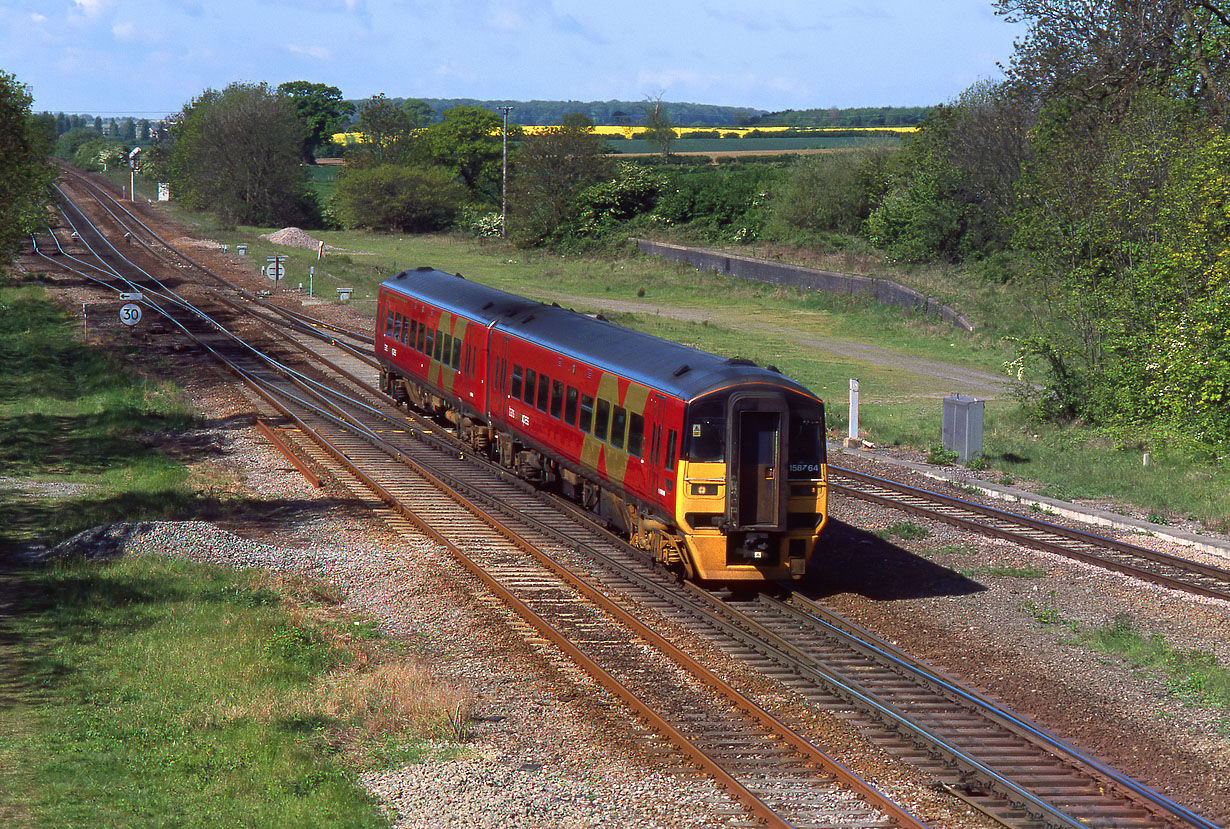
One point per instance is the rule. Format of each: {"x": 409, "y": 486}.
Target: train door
{"x": 756, "y": 426}
{"x": 655, "y": 415}
{"x": 497, "y": 375}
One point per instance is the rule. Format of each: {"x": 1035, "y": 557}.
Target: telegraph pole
{"x": 504, "y": 176}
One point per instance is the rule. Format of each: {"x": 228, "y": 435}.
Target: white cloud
{"x": 38, "y": 18}
{"x": 92, "y": 8}
{"x": 315, "y": 52}
{"x": 124, "y": 31}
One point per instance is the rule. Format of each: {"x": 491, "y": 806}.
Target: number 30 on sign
{"x": 130, "y": 314}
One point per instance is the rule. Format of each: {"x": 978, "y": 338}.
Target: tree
{"x": 398, "y": 198}
{"x": 25, "y": 175}
{"x": 387, "y": 133}
{"x": 659, "y": 131}
{"x": 1100, "y": 54}
{"x": 467, "y": 142}
{"x": 321, "y": 109}
{"x": 237, "y": 152}
{"x": 419, "y": 112}
{"x": 549, "y": 170}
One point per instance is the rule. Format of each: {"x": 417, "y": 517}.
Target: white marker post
{"x": 852, "y": 440}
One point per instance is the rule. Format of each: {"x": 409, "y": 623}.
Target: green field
{"x": 758, "y": 144}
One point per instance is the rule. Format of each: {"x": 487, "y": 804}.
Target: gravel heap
{"x": 293, "y": 237}
{"x": 195, "y": 540}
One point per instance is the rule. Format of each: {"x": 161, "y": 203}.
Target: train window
{"x": 619, "y": 426}
{"x": 806, "y": 445}
{"x": 544, "y": 391}
{"x": 570, "y": 406}
{"x": 431, "y": 341}
{"x": 397, "y": 320}
{"x": 457, "y": 353}
{"x": 516, "y": 383}
{"x": 531, "y": 379}
{"x": 636, "y": 434}
{"x": 557, "y": 397}
{"x": 587, "y": 414}
{"x": 388, "y": 325}
{"x": 446, "y": 349}
{"x": 672, "y": 446}
{"x": 706, "y": 432}
{"x": 602, "y": 418}
{"x": 422, "y": 341}
{"x": 435, "y": 353}
{"x": 412, "y": 335}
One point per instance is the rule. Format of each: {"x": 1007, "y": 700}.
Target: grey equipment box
{"x": 962, "y": 429}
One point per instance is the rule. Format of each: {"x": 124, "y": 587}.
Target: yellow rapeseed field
{"x": 638, "y": 131}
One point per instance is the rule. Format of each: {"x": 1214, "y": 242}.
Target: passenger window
{"x": 431, "y": 341}
{"x": 397, "y": 327}
{"x": 413, "y": 335}
{"x": 672, "y": 446}
{"x": 435, "y": 353}
{"x": 557, "y": 398}
{"x": 570, "y": 406}
{"x": 602, "y": 418}
{"x": 515, "y": 391}
{"x": 531, "y": 378}
{"x": 587, "y": 413}
{"x": 544, "y": 390}
{"x": 636, "y": 434}
{"x": 388, "y": 325}
{"x": 422, "y": 341}
{"x": 619, "y": 425}
{"x": 457, "y": 354}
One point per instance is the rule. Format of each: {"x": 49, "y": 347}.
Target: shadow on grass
{"x": 851, "y": 560}
{"x": 34, "y": 444}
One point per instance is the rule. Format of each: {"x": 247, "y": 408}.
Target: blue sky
{"x": 147, "y": 58}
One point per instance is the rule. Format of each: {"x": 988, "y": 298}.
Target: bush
{"x": 397, "y": 198}
{"x": 831, "y": 192}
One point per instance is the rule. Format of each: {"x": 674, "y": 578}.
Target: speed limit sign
{"x": 130, "y": 314}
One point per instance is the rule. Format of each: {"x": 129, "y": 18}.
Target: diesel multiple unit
{"x": 713, "y": 464}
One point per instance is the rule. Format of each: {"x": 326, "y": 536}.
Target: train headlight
{"x": 706, "y": 490}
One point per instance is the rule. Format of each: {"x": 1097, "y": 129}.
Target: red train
{"x": 710, "y": 463}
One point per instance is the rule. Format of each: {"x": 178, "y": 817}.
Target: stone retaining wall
{"x": 763, "y": 270}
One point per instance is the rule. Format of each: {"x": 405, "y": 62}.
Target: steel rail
{"x": 1193, "y": 577}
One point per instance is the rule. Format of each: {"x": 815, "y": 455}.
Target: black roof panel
{"x": 669, "y": 367}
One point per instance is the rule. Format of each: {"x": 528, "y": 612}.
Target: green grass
{"x": 160, "y": 692}
{"x": 1195, "y": 676}
{"x": 69, "y": 414}
{"x": 906, "y": 530}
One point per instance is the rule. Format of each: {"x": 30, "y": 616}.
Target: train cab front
{"x": 753, "y": 493}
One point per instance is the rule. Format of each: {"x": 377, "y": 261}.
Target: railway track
{"x": 779, "y": 776}
{"x": 1138, "y": 562}
{"x": 987, "y": 756}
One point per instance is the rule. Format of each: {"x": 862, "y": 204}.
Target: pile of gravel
{"x": 194, "y": 540}
{"x": 293, "y": 237}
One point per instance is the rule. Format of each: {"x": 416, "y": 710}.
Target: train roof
{"x": 669, "y": 367}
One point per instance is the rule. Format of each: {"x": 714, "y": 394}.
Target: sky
{"x": 147, "y": 59}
